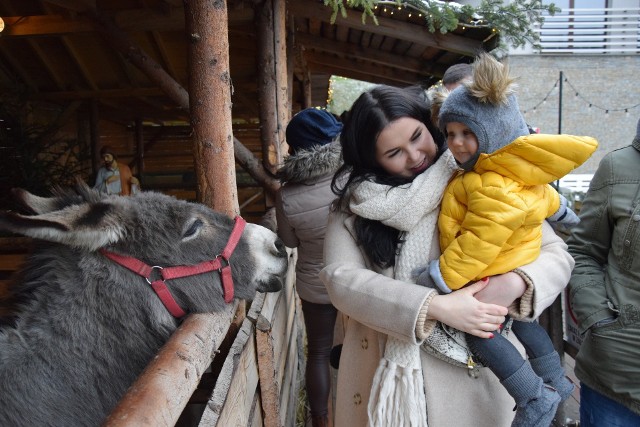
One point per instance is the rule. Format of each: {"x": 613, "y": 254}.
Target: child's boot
{"x": 549, "y": 368}
{"x": 536, "y": 403}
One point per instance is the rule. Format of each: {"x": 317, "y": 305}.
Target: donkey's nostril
{"x": 281, "y": 249}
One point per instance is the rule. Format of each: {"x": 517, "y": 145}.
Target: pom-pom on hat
{"x": 487, "y": 106}
{"x": 312, "y": 127}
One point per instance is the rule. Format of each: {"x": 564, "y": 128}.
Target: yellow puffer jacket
{"x": 491, "y": 217}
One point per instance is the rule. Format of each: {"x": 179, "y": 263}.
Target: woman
{"x": 381, "y": 231}
{"x": 302, "y": 208}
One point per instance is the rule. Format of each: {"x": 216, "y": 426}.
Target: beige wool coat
{"x": 375, "y": 305}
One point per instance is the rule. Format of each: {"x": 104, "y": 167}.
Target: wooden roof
{"x": 56, "y": 51}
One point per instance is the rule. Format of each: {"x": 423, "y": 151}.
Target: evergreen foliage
{"x": 514, "y": 21}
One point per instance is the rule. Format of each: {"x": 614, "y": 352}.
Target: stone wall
{"x": 605, "y": 81}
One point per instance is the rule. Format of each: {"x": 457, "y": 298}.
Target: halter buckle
{"x": 222, "y": 258}
{"x": 148, "y": 279}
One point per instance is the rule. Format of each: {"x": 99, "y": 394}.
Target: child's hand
{"x": 422, "y": 276}
{"x": 564, "y": 216}
{"x": 436, "y": 275}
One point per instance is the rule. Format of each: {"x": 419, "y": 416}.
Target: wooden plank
{"x": 232, "y": 398}
{"x": 255, "y": 417}
{"x": 268, "y": 321}
{"x": 11, "y": 262}
{"x": 15, "y": 244}
{"x": 267, "y": 356}
{"x": 162, "y": 391}
{"x": 4, "y": 288}
{"x": 290, "y": 386}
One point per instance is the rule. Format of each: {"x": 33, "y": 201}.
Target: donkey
{"x": 104, "y": 288}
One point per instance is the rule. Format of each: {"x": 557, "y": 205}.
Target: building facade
{"x": 584, "y": 80}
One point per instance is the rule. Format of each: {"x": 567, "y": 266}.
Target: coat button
{"x": 357, "y": 399}
{"x": 636, "y": 218}
{"x": 627, "y": 242}
{"x": 364, "y": 343}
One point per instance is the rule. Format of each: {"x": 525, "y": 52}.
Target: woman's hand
{"x": 461, "y": 310}
{"x": 503, "y": 289}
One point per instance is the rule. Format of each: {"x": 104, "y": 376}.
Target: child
{"x": 491, "y": 221}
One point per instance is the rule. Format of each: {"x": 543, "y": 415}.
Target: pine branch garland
{"x": 514, "y": 21}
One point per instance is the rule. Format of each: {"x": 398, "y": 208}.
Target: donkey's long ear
{"x": 61, "y": 198}
{"x": 88, "y": 226}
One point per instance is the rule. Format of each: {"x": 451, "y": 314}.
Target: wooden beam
{"x": 49, "y": 65}
{"x": 133, "y": 19}
{"x": 356, "y": 52}
{"x": 76, "y": 5}
{"x": 349, "y": 68}
{"x": 162, "y": 50}
{"x": 388, "y": 27}
{"x": 17, "y": 69}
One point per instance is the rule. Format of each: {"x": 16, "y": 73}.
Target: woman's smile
{"x": 424, "y": 164}
{"x": 405, "y": 147}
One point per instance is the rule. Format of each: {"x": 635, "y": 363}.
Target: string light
{"x": 591, "y": 104}
{"x": 607, "y": 110}
{"x": 416, "y": 8}
{"x": 544, "y": 100}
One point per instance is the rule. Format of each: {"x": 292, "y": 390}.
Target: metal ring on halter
{"x": 225, "y": 260}
{"x": 148, "y": 279}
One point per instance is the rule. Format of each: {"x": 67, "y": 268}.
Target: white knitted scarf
{"x": 397, "y": 393}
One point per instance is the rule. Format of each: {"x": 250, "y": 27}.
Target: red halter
{"x": 168, "y": 273}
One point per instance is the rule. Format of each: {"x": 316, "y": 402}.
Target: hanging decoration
{"x": 577, "y": 93}
{"x": 514, "y": 21}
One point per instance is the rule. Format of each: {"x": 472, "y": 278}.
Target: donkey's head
{"x": 156, "y": 230}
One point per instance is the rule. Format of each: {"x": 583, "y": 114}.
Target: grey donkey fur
{"x": 82, "y": 327}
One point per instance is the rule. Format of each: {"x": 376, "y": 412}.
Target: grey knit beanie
{"x": 495, "y": 125}
{"x": 636, "y": 140}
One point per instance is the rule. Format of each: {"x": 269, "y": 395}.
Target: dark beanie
{"x": 312, "y": 127}
{"x": 457, "y": 73}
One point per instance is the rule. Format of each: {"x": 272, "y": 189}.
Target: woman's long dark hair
{"x": 369, "y": 115}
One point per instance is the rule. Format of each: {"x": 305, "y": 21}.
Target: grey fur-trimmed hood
{"x": 307, "y": 166}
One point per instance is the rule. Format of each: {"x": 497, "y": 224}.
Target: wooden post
{"x": 210, "y": 104}
{"x": 94, "y": 134}
{"x": 272, "y": 83}
{"x": 282, "y": 73}
{"x": 139, "y": 129}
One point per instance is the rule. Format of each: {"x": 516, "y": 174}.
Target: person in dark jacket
{"x": 604, "y": 291}
{"x": 302, "y": 209}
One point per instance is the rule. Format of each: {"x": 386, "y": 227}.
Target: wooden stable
{"x": 116, "y": 72}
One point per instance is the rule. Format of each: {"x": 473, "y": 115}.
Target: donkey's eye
{"x": 193, "y": 229}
